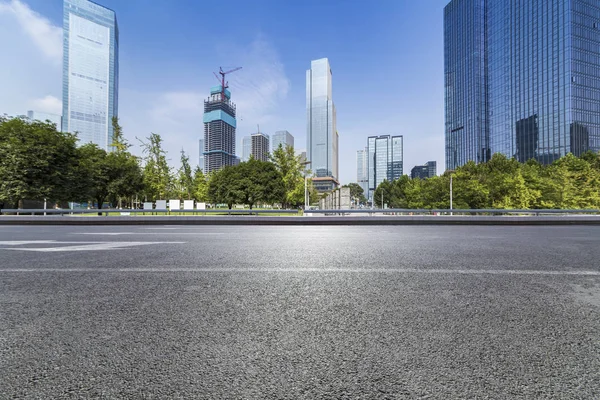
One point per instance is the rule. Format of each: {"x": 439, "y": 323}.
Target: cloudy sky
{"x": 386, "y": 57}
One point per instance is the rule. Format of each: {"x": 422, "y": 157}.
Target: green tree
{"x": 292, "y": 174}
{"x": 185, "y": 178}
{"x": 383, "y": 195}
{"x": 126, "y": 178}
{"x": 119, "y": 143}
{"x": 93, "y": 174}
{"x": 356, "y": 192}
{"x": 223, "y": 186}
{"x": 200, "y": 185}
{"x": 36, "y": 161}
{"x": 157, "y": 173}
{"x": 260, "y": 182}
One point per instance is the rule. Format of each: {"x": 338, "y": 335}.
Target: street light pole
{"x": 306, "y": 197}
{"x": 451, "y": 172}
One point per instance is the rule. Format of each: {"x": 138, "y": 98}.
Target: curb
{"x": 299, "y": 221}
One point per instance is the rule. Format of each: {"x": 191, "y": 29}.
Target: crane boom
{"x": 224, "y": 84}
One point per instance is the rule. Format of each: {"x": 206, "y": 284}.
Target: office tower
{"x": 201, "y": 153}
{"x": 303, "y": 158}
{"x": 385, "y": 160}
{"x": 219, "y": 130}
{"x": 260, "y": 146}
{"x": 43, "y": 117}
{"x": 321, "y": 133}
{"x": 362, "y": 170}
{"x": 283, "y": 138}
{"x": 246, "y": 147}
{"x": 521, "y": 79}
{"x": 90, "y": 71}
{"x": 424, "y": 171}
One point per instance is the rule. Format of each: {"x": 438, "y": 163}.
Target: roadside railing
{"x": 348, "y": 212}
{"x": 126, "y": 212}
{"x": 448, "y": 212}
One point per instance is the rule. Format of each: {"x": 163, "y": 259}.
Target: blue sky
{"x": 386, "y": 58}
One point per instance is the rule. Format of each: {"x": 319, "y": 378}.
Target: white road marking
{"x": 327, "y": 270}
{"x": 22, "y": 242}
{"x": 146, "y": 233}
{"x": 90, "y": 247}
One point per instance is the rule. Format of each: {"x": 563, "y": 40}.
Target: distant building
{"x": 321, "y": 131}
{"x": 90, "y": 71}
{"x": 362, "y": 170}
{"x": 246, "y": 147}
{"x": 522, "y": 78}
{"x": 236, "y": 160}
{"x": 303, "y": 158}
{"x": 219, "y": 130}
{"x": 283, "y": 138}
{"x": 201, "y": 151}
{"x": 260, "y": 146}
{"x": 43, "y": 117}
{"x": 428, "y": 170}
{"x": 386, "y": 160}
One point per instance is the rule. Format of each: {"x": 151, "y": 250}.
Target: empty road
{"x": 344, "y": 312}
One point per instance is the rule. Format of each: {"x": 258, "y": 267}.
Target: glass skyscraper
{"x": 246, "y": 147}
{"x": 219, "y": 130}
{"x": 90, "y": 71}
{"x": 283, "y": 138}
{"x": 385, "y": 160}
{"x": 362, "y": 170}
{"x": 521, "y": 78}
{"x": 321, "y": 133}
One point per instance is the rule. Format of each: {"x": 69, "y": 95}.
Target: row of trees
{"x": 38, "y": 162}
{"x": 568, "y": 183}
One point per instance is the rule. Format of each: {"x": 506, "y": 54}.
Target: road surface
{"x": 299, "y": 312}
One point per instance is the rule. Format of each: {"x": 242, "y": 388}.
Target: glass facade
{"x": 43, "y": 117}
{"x": 428, "y": 170}
{"x": 521, "y": 78}
{"x": 385, "y": 160}
{"x": 283, "y": 138}
{"x": 246, "y": 148}
{"x": 321, "y": 133}
{"x": 90, "y": 71}
{"x": 362, "y": 170}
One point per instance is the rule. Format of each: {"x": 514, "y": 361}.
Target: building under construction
{"x": 219, "y": 128}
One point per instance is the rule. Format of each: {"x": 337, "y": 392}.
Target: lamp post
{"x": 451, "y": 171}
{"x": 306, "y": 198}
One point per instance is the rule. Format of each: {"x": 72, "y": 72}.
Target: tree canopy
{"x": 568, "y": 183}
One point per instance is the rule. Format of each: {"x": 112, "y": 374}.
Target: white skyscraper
{"x": 90, "y": 71}
{"x": 283, "y": 138}
{"x": 321, "y": 131}
{"x": 362, "y": 170}
{"x": 246, "y": 147}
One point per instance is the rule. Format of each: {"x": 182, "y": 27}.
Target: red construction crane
{"x": 224, "y": 85}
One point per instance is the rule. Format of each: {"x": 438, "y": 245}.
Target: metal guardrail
{"x": 378, "y": 211}
{"x": 409, "y": 211}
{"x": 107, "y": 211}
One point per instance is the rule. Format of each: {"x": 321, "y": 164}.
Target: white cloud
{"x": 30, "y": 69}
{"x": 260, "y": 86}
{"x": 47, "y": 104}
{"x": 46, "y": 36}
{"x": 257, "y": 90}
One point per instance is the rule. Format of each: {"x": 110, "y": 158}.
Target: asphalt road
{"x": 255, "y": 312}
